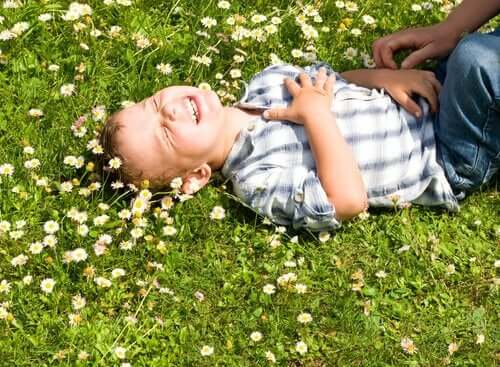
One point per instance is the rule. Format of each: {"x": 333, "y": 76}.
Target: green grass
{"x": 231, "y": 260}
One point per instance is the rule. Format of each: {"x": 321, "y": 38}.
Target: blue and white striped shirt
{"x": 273, "y": 170}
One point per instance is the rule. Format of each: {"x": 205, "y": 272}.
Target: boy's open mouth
{"x": 193, "y": 108}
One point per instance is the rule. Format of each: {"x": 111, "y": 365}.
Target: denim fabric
{"x": 468, "y": 124}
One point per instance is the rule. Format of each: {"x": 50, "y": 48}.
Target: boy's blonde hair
{"x": 124, "y": 173}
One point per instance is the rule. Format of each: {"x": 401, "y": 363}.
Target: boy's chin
{"x": 214, "y": 96}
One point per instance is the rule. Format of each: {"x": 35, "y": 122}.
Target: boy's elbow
{"x": 350, "y": 206}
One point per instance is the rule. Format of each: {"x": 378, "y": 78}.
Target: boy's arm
{"x": 368, "y": 78}
{"x": 400, "y": 84}
{"x": 337, "y": 169}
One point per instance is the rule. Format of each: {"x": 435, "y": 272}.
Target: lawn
{"x": 86, "y": 279}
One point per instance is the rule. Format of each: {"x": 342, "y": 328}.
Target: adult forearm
{"x": 336, "y": 166}
{"x": 471, "y": 14}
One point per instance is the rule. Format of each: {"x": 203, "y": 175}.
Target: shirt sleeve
{"x": 291, "y": 196}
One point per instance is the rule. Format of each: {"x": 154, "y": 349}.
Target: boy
{"x": 336, "y": 148}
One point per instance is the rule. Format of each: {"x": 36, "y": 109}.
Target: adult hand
{"x": 308, "y": 99}
{"x": 430, "y": 42}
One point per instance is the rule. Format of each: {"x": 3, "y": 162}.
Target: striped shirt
{"x": 273, "y": 170}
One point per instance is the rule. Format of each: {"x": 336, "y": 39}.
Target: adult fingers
{"x": 377, "y": 47}
{"x": 305, "y": 81}
{"x": 292, "y": 86}
{"x": 386, "y": 54}
{"x": 277, "y": 113}
{"x": 410, "y": 38}
{"x": 419, "y": 56}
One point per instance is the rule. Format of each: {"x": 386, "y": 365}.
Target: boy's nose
{"x": 169, "y": 111}
{"x": 172, "y": 112}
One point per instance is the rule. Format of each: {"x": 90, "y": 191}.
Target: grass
{"x": 204, "y": 286}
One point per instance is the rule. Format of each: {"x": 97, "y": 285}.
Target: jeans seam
{"x": 481, "y": 148}
{"x": 496, "y": 108}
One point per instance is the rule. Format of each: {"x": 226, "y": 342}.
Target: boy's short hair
{"x": 125, "y": 173}
{"x": 107, "y": 140}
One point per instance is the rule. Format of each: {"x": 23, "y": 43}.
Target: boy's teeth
{"x": 193, "y": 108}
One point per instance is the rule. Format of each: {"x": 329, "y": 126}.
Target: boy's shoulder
{"x": 266, "y": 89}
{"x": 277, "y": 72}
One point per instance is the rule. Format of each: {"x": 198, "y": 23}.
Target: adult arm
{"x": 434, "y": 41}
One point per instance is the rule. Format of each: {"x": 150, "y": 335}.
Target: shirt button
{"x": 251, "y": 126}
{"x": 298, "y": 197}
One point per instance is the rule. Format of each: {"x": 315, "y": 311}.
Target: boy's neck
{"x": 237, "y": 119}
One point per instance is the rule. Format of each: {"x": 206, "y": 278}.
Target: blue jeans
{"x": 468, "y": 124}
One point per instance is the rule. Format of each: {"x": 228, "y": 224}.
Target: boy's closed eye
{"x": 156, "y": 105}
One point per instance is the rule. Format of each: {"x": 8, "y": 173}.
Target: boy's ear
{"x": 196, "y": 179}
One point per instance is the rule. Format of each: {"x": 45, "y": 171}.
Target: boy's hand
{"x": 308, "y": 99}
{"x": 401, "y": 84}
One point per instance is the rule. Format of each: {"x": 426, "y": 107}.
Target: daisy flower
{"x": 206, "y": 350}
{"x": 51, "y": 227}
{"x": 6, "y": 169}
{"x": 115, "y": 163}
{"x": 256, "y": 336}
{"x": 19, "y": 260}
{"x": 164, "y": 69}
{"x": 270, "y": 356}
{"x": 78, "y": 302}
{"x": 120, "y": 352}
{"x": 223, "y": 4}
{"x": 208, "y": 22}
{"x": 217, "y": 213}
{"x": 304, "y": 318}
{"x": 45, "y": 17}
{"x": 408, "y": 346}
{"x": 301, "y": 347}
{"x": 67, "y": 90}
{"x": 269, "y": 289}
{"x": 47, "y": 285}
{"x": 324, "y": 236}
{"x": 35, "y": 112}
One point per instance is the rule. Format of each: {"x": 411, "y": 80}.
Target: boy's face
{"x": 178, "y": 127}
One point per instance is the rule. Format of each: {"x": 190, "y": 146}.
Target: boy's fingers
{"x": 305, "y": 81}
{"x": 330, "y": 83}
{"x": 427, "y": 91}
{"x": 275, "y": 114}
{"x": 408, "y": 104}
{"x": 321, "y": 78}
{"x": 292, "y": 86}
{"x": 435, "y": 83}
